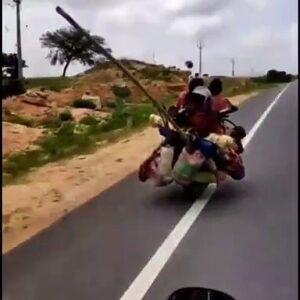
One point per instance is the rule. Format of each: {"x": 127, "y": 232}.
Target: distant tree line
{"x": 279, "y": 76}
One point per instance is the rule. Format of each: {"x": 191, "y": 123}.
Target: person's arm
{"x": 231, "y": 108}
{"x": 180, "y": 100}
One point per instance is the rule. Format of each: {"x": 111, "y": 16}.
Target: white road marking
{"x": 149, "y": 273}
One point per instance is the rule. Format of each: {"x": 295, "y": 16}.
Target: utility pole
{"x": 200, "y": 47}
{"x": 19, "y": 46}
{"x": 232, "y": 67}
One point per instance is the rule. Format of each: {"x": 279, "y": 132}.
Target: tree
{"x": 278, "y": 76}
{"x": 67, "y": 45}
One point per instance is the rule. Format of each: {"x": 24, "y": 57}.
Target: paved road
{"x": 244, "y": 242}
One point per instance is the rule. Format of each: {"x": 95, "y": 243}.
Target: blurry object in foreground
{"x": 197, "y": 293}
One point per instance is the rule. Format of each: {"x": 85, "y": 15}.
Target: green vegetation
{"x": 65, "y": 137}
{"x": 68, "y": 138}
{"x": 67, "y": 45}
{"x": 65, "y": 116}
{"x": 50, "y": 83}
{"x": 157, "y": 73}
{"x": 17, "y": 119}
{"x": 237, "y": 86}
{"x": 79, "y": 103}
{"x": 121, "y": 91}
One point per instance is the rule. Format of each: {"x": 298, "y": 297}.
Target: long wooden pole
{"x": 101, "y": 50}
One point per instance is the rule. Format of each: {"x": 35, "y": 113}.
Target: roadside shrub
{"x": 121, "y": 91}
{"x": 110, "y": 104}
{"x": 65, "y": 116}
{"x": 16, "y": 119}
{"x": 51, "y": 122}
{"x": 79, "y": 103}
{"x": 89, "y": 120}
{"x": 12, "y": 87}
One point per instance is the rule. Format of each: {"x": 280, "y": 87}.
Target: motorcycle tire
{"x": 194, "y": 190}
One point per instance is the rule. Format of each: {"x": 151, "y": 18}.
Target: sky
{"x": 259, "y": 34}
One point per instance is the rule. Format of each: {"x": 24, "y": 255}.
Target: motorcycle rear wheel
{"x": 194, "y": 190}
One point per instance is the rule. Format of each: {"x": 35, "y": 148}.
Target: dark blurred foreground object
{"x": 10, "y": 65}
{"x": 12, "y": 87}
{"x": 11, "y": 84}
{"x": 199, "y": 294}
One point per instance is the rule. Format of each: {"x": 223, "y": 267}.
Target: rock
{"x": 101, "y": 143}
{"x": 36, "y": 101}
{"x": 79, "y": 113}
{"x": 33, "y": 147}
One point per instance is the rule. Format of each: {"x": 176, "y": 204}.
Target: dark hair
{"x": 215, "y": 87}
{"x": 196, "y": 75}
{"x": 194, "y": 83}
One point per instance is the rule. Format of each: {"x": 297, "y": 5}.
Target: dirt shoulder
{"x": 54, "y": 190}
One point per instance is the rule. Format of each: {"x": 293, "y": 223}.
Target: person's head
{"x": 196, "y": 75}
{"x": 195, "y": 82}
{"x": 215, "y": 86}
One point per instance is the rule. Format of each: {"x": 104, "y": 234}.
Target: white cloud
{"x": 258, "y": 4}
{"x": 190, "y": 26}
{"x": 245, "y": 29}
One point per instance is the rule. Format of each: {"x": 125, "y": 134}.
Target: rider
{"x": 219, "y": 102}
{"x": 194, "y": 82}
{"x": 219, "y": 105}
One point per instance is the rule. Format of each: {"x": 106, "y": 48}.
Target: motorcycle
{"x": 196, "y": 188}
{"x": 160, "y": 166}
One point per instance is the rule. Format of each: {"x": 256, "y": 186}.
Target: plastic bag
{"x": 165, "y": 161}
{"x": 187, "y": 166}
{"x": 161, "y": 167}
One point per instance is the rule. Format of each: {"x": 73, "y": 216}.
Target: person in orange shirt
{"x": 219, "y": 102}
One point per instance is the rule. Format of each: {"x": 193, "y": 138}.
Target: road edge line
{"x": 144, "y": 280}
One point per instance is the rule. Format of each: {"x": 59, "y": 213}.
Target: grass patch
{"x": 50, "y": 83}
{"x": 238, "y": 86}
{"x": 68, "y": 138}
{"x": 17, "y": 119}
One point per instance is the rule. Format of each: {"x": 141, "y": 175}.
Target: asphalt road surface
{"x": 244, "y": 242}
